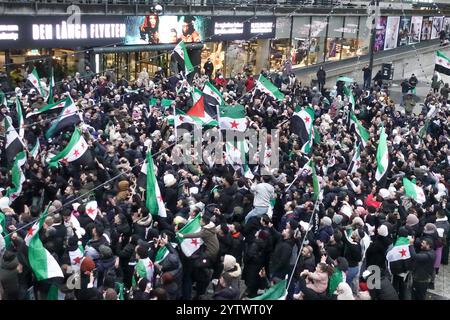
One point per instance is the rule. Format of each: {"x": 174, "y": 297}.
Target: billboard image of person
{"x": 188, "y": 31}
{"x": 404, "y": 37}
{"x": 380, "y": 34}
{"x": 416, "y": 28}
{"x": 391, "y": 33}
{"x": 427, "y": 25}
{"x": 437, "y": 27}
{"x": 149, "y": 29}
{"x": 446, "y": 25}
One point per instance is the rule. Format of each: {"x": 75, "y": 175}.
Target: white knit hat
{"x": 169, "y": 180}
{"x": 383, "y": 230}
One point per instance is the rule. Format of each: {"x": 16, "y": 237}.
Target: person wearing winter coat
{"x": 172, "y": 270}
{"x": 9, "y": 276}
{"x": 105, "y": 263}
{"x": 254, "y": 262}
{"x": 385, "y": 291}
{"x": 338, "y": 276}
{"x": 231, "y": 271}
{"x": 208, "y": 234}
{"x": 442, "y": 227}
{"x": 423, "y": 268}
{"x": 325, "y": 230}
{"x": 335, "y": 247}
{"x": 400, "y": 269}
{"x": 225, "y": 290}
{"x": 353, "y": 254}
{"x": 282, "y": 255}
{"x": 376, "y": 252}
{"x": 237, "y": 242}
{"x": 313, "y": 285}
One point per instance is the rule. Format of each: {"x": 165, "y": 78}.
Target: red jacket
{"x": 249, "y": 84}
{"x": 220, "y": 82}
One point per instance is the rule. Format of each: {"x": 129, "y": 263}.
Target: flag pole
{"x": 303, "y": 243}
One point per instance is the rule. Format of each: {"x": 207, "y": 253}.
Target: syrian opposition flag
{"x": 362, "y": 133}
{"x": 232, "y": 118}
{"x": 264, "y": 85}
{"x": 56, "y": 105}
{"x": 212, "y": 95}
{"x": 184, "y": 121}
{"x": 414, "y": 191}
{"x": 398, "y": 257}
{"x": 42, "y": 263}
{"x": 91, "y": 209}
{"x": 3, "y": 231}
{"x": 76, "y": 151}
{"x": 33, "y": 77}
{"x": 166, "y": 103}
{"x": 309, "y": 169}
{"x": 182, "y": 57}
{"x": 76, "y": 256}
{"x": 68, "y": 117}
{"x": 190, "y": 245}
{"x": 153, "y": 198}
{"x": 302, "y": 125}
{"x": 20, "y": 121}
{"x": 382, "y": 156}
{"x": 442, "y": 64}
{"x": 356, "y": 160}
{"x": 17, "y": 177}
{"x": 35, "y": 150}
{"x": 50, "y": 89}
{"x": 349, "y": 94}
{"x": 13, "y": 142}
{"x": 276, "y": 292}
{"x": 145, "y": 269}
{"x": 199, "y": 111}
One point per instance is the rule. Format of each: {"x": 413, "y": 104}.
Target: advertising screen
{"x": 437, "y": 27}
{"x": 404, "y": 35}
{"x": 380, "y": 34}
{"x": 416, "y": 28}
{"x": 427, "y": 26}
{"x": 391, "y": 33}
{"x": 154, "y": 29}
{"x": 241, "y": 28}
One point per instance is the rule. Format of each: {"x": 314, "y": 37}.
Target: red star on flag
{"x": 77, "y": 260}
{"x": 268, "y": 153}
{"x": 34, "y": 81}
{"x": 76, "y": 153}
{"x": 307, "y": 119}
{"x": 67, "y": 111}
{"x": 194, "y": 242}
{"x": 90, "y": 211}
{"x": 30, "y": 231}
{"x": 234, "y": 124}
{"x": 150, "y": 264}
{"x": 160, "y": 198}
{"x": 181, "y": 118}
{"x": 14, "y": 196}
{"x": 402, "y": 252}
{"x": 64, "y": 160}
{"x": 358, "y": 163}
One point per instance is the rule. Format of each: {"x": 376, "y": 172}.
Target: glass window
{"x": 333, "y": 48}
{"x": 363, "y": 37}
{"x": 300, "y": 39}
{"x": 278, "y": 53}
{"x": 318, "y": 35}
{"x": 350, "y": 41}
{"x": 214, "y": 51}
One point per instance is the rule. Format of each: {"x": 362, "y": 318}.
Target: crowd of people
{"x": 250, "y": 242}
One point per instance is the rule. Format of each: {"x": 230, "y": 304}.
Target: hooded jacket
{"x": 209, "y": 237}
{"x": 9, "y": 279}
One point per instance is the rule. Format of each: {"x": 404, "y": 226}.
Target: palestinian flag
{"x": 264, "y": 85}
{"x": 91, "y": 209}
{"x": 33, "y": 77}
{"x": 190, "y": 245}
{"x": 35, "y": 150}
{"x": 50, "y": 89}
{"x": 442, "y": 64}
{"x": 68, "y": 117}
{"x": 56, "y": 105}
{"x": 17, "y": 177}
{"x": 399, "y": 257}
{"x": 145, "y": 269}
{"x": 414, "y": 191}
{"x": 182, "y": 57}
{"x": 42, "y": 263}
{"x": 76, "y": 151}
{"x": 212, "y": 95}
{"x": 153, "y": 198}
{"x": 199, "y": 112}
{"x": 166, "y": 103}
{"x": 302, "y": 125}
{"x": 232, "y": 118}
{"x": 349, "y": 94}
{"x": 362, "y": 133}
{"x": 276, "y": 292}
{"x": 13, "y": 142}
{"x": 356, "y": 160}
{"x": 20, "y": 121}
{"x": 76, "y": 256}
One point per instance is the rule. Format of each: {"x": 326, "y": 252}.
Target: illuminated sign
{"x": 241, "y": 28}
{"x": 261, "y": 27}
{"x": 9, "y": 32}
{"x": 69, "y": 31}
{"x": 228, "y": 28}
